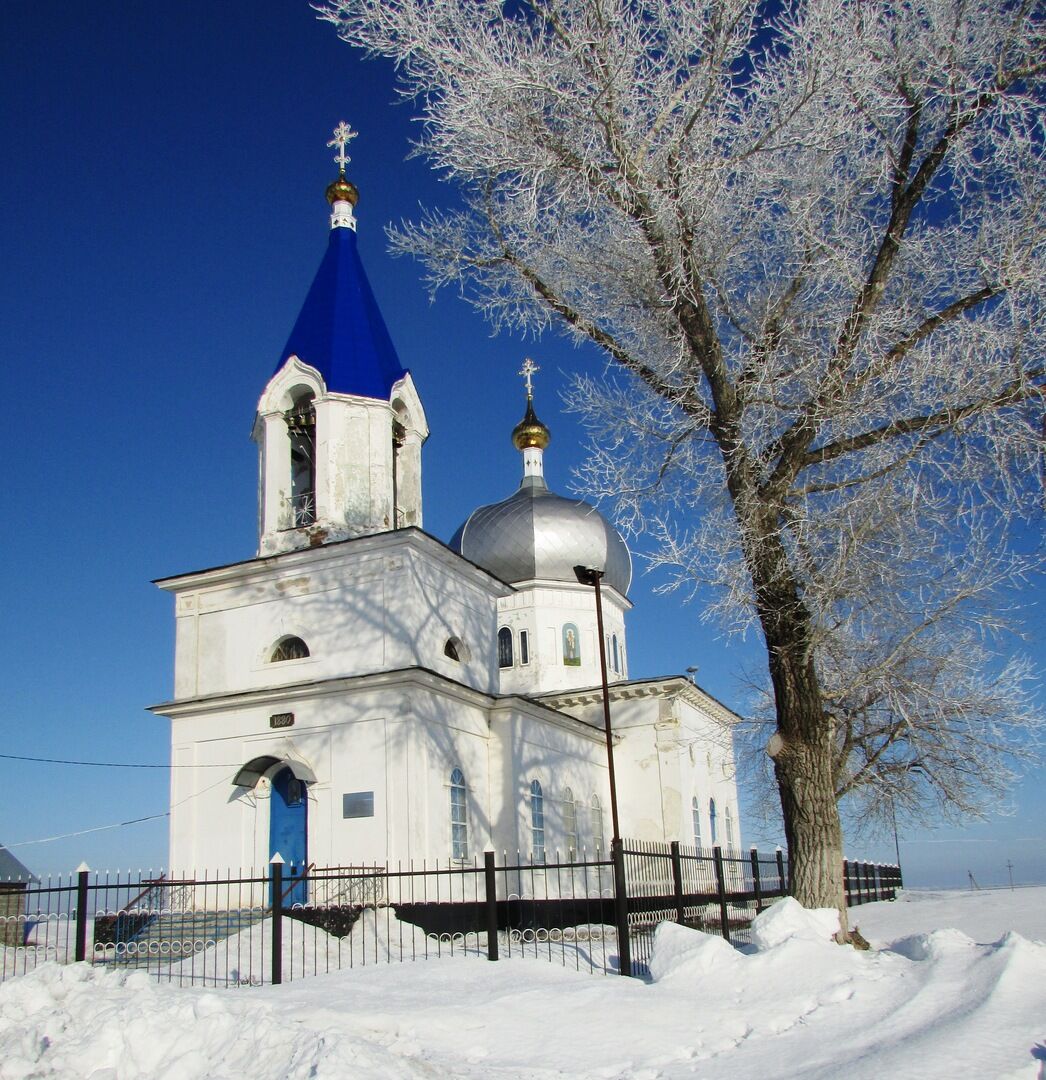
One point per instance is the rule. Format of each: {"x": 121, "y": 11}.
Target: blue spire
{"x": 340, "y": 331}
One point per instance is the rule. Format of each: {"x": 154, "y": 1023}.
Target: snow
{"x": 956, "y": 986}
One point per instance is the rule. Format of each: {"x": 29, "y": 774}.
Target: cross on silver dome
{"x": 343, "y": 135}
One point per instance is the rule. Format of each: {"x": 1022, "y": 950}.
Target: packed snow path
{"x": 929, "y": 1002}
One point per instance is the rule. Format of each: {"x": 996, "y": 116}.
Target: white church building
{"x": 377, "y": 695}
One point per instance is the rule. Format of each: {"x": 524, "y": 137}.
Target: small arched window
{"x": 696, "y": 810}
{"x": 615, "y": 654}
{"x": 596, "y": 825}
{"x": 570, "y": 822}
{"x": 537, "y": 822}
{"x": 504, "y": 647}
{"x": 455, "y": 649}
{"x": 728, "y": 827}
{"x": 459, "y": 827}
{"x": 712, "y": 822}
{"x": 524, "y": 647}
{"x": 289, "y": 648}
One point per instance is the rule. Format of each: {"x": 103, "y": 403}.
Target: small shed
{"x": 15, "y": 879}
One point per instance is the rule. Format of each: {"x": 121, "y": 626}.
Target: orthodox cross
{"x": 342, "y": 135}
{"x": 527, "y": 371}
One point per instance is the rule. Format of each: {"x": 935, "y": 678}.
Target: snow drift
{"x": 933, "y": 1004}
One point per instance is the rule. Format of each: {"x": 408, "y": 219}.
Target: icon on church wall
{"x": 571, "y": 645}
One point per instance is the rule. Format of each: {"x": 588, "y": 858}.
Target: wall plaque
{"x": 281, "y": 719}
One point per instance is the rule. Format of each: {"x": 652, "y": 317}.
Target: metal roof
{"x": 340, "y": 330}
{"x": 537, "y": 534}
{"x": 11, "y": 869}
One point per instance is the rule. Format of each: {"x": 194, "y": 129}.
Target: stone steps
{"x": 178, "y": 934}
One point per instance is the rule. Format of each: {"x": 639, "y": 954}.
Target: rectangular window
{"x": 459, "y": 830}
{"x": 524, "y": 647}
{"x": 357, "y": 804}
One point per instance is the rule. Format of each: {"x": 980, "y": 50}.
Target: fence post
{"x": 624, "y": 952}
{"x": 756, "y": 884}
{"x": 677, "y": 882}
{"x": 846, "y": 883}
{"x": 81, "y": 912}
{"x": 491, "y": 904}
{"x": 781, "y": 873}
{"x": 277, "y": 919}
{"x": 720, "y": 880}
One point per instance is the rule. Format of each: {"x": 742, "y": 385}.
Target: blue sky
{"x": 161, "y": 217}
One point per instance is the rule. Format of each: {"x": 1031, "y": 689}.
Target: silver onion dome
{"x": 537, "y": 534}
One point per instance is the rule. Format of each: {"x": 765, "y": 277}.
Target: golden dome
{"x": 342, "y": 190}
{"x": 530, "y": 431}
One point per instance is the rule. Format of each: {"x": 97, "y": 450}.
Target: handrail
{"x": 149, "y": 887}
{"x": 296, "y": 881}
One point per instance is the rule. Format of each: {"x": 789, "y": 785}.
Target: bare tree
{"x": 809, "y": 239}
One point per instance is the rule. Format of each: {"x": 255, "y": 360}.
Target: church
{"x": 361, "y": 692}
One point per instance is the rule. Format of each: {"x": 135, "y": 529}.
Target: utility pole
{"x": 1009, "y": 866}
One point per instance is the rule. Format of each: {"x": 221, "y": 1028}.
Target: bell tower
{"x": 340, "y": 425}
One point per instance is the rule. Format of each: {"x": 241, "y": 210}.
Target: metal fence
{"x": 595, "y": 914}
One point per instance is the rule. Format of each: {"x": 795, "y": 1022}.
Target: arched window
{"x": 712, "y": 822}
{"x": 289, "y": 648}
{"x": 596, "y": 825}
{"x": 455, "y": 649}
{"x": 570, "y": 822}
{"x": 459, "y": 826}
{"x": 301, "y": 429}
{"x": 615, "y": 654}
{"x": 504, "y": 647}
{"x": 696, "y": 809}
{"x": 524, "y": 647}
{"x": 728, "y": 827}
{"x": 537, "y": 822}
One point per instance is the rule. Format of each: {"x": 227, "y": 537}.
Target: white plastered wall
{"x": 668, "y": 749}
{"x": 372, "y": 604}
{"x": 543, "y": 609}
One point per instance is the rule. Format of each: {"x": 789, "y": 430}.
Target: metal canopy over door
{"x": 288, "y": 832}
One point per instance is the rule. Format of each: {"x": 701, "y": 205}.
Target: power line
{"x": 116, "y": 824}
{"x": 110, "y": 764}
{"x": 84, "y": 832}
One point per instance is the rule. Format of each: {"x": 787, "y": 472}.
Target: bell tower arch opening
{"x": 301, "y": 429}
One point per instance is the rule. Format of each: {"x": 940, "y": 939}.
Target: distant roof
{"x": 12, "y": 869}
{"x": 340, "y": 331}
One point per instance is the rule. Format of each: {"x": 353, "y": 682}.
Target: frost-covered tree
{"x": 808, "y": 237}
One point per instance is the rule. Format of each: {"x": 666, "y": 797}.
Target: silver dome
{"x": 536, "y": 534}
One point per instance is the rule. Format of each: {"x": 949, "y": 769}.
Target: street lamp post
{"x": 590, "y": 575}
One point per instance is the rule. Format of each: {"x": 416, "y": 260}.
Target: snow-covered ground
{"x": 929, "y": 1001}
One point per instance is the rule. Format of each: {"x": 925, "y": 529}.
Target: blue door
{"x": 288, "y": 832}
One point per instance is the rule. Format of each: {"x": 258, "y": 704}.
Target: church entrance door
{"x": 288, "y": 833}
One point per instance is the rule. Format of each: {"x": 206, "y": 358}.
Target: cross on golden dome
{"x": 527, "y": 371}
{"x": 343, "y": 135}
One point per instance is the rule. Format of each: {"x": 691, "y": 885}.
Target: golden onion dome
{"x": 530, "y": 431}
{"x": 342, "y": 190}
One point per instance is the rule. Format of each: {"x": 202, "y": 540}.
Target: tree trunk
{"x": 803, "y": 748}
{"x": 803, "y": 757}
{"x": 812, "y": 829}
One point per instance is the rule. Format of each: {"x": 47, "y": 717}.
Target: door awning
{"x": 256, "y": 768}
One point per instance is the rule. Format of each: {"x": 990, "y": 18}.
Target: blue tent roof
{"x": 340, "y": 331}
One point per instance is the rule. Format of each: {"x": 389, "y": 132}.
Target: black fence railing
{"x": 596, "y": 914}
